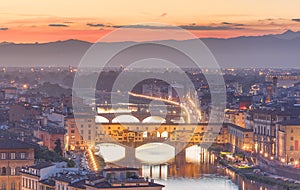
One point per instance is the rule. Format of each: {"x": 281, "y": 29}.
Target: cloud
{"x": 209, "y": 27}
{"x": 187, "y": 27}
{"x": 232, "y": 24}
{"x": 164, "y": 14}
{"x": 58, "y": 25}
{"x": 227, "y": 23}
{"x": 239, "y": 25}
{"x": 95, "y": 25}
{"x": 296, "y": 19}
{"x": 144, "y": 26}
{"x": 3, "y": 29}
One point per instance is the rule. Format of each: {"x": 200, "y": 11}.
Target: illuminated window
{"x": 3, "y": 156}
{"x": 22, "y": 155}
{"x": 13, "y": 156}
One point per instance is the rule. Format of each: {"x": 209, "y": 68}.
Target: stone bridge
{"x": 138, "y": 117}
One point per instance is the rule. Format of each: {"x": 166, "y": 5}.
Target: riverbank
{"x": 261, "y": 177}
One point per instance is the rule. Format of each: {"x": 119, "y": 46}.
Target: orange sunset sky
{"x": 23, "y": 21}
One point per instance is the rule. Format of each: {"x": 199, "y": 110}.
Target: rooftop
{"x": 14, "y": 144}
{"x": 119, "y": 169}
{"x": 290, "y": 122}
{"x": 239, "y": 127}
{"x": 49, "y": 182}
{"x": 42, "y": 165}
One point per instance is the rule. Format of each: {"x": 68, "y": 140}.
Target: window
{"x": 13, "y": 186}
{"x": 22, "y": 155}
{"x": 17, "y": 170}
{"x": 3, "y": 186}
{"x": 3, "y": 172}
{"x": 72, "y": 131}
{"x": 12, "y": 171}
{"x": 3, "y": 156}
{"x": 12, "y": 155}
{"x": 291, "y": 148}
{"x": 292, "y": 138}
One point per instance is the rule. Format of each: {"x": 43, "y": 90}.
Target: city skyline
{"x": 151, "y": 95}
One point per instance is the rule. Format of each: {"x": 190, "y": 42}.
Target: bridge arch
{"x": 154, "y": 119}
{"x": 155, "y": 153}
{"x": 111, "y": 152}
{"x": 101, "y": 119}
{"x": 125, "y": 119}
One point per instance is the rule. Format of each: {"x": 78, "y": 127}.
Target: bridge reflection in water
{"x": 158, "y": 160}
{"x": 196, "y": 168}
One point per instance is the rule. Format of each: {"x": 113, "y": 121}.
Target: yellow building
{"x": 141, "y": 132}
{"x": 241, "y": 139}
{"x": 33, "y": 175}
{"x": 80, "y": 132}
{"x": 236, "y": 117}
{"x": 288, "y": 137}
{"x": 14, "y": 155}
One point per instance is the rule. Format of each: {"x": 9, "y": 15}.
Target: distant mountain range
{"x": 281, "y": 50}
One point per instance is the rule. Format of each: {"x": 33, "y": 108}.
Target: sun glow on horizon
{"x": 51, "y": 20}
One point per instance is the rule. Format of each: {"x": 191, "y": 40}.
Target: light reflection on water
{"x": 197, "y": 169}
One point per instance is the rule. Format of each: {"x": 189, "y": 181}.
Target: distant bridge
{"x": 138, "y": 117}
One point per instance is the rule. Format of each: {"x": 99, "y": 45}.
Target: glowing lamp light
{"x": 25, "y": 86}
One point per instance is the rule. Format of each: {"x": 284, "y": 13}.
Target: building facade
{"x": 241, "y": 139}
{"x": 288, "y": 137}
{"x": 14, "y": 155}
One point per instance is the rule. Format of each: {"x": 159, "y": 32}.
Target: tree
{"x": 57, "y": 148}
{"x": 70, "y": 163}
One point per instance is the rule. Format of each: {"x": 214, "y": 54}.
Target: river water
{"x": 193, "y": 171}
{"x": 203, "y": 175}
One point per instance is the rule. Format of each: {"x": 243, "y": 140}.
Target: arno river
{"x": 203, "y": 174}
{"x": 198, "y": 171}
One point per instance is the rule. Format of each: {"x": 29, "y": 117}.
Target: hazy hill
{"x": 281, "y": 50}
